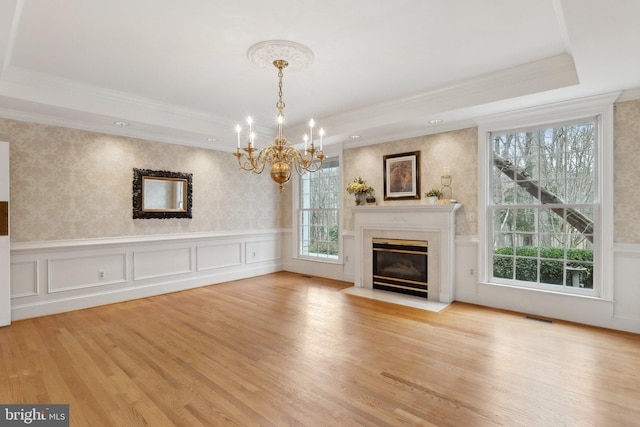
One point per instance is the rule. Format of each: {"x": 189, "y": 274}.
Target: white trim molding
{"x": 56, "y": 276}
{"x": 5, "y": 240}
{"x": 596, "y": 106}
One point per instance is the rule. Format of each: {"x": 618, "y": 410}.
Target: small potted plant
{"x": 433, "y": 195}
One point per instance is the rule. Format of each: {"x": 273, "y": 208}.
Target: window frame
{"x": 297, "y": 210}
{"x": 600, "y": 107}
{"x": 539, "y": 209}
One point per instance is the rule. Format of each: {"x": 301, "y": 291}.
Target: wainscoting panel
{"x": 56, "y": 276}
{"x": 150, "y": 264}
{"x": 262, "y": 250}
{"x": 627, "y": 290}
{"x": 65, "y": 274}
{"x": 466, "y": 269}
{"x": 24, "y": 279}
{"x": 209, "y": 257}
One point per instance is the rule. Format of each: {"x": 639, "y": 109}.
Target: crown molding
{"x": 532, "y": 116}
{"x": 408, "y": 117}
{"x": 407, "y": 132}
{"x": 59, "y": 90}
{"x": 49, "y": 120}
{"x": 547, "y": 74}
{"x": 629, "y": 95}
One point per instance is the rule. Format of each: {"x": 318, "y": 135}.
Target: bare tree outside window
{"x": 319, "y": 211}
{"x": 543, "y": 205}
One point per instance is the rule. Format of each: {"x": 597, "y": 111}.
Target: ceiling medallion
{"x": 263, "y": 54}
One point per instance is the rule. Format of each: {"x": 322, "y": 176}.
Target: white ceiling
{"x": 177, "y": 71}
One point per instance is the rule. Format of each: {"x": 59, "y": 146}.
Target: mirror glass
{"x": 161, "y": 194}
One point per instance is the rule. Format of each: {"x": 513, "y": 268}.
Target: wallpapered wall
{"x": 72, "y": 184}
{"x": 458, "y": 150}
{"x": 627, "y": 172}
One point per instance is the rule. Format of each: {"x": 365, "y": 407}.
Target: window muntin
{"x": 542, "y": 206}
{"x": 319, "y": 212}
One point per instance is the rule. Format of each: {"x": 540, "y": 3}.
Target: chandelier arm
{"x": 252, "y": 163}
{"x": 300, "y": 164}
{"x": 244, "y": 164}
{"x": 313, "y": 167}
{"x": 309, "y": 162}
{"x": 296, "y": 158}
{"x": 261, "y": 160}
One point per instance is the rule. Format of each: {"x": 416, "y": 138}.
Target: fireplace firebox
{"x": 401, "y": 266}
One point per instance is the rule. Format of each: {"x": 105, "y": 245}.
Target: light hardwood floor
{"x": 284, "y": 349}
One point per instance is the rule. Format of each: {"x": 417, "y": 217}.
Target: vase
{"x": 359, "y": 199}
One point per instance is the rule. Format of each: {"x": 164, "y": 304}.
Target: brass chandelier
{"x": 281, "y": 155}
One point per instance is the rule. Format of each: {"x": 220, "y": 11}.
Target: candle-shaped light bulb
{"x": 311, "y": 125}
{"x": 280, "y": 122}
{"x": 238, "y": 129}
{"x": 252, "y": 137}
{"x": 249, "y": 122}
{"x": 321, "y": 135}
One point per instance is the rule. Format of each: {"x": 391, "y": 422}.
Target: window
{"x": 319, "y": 213}
{"x": 545, "y": 218}
{"x": 543, "y": 205}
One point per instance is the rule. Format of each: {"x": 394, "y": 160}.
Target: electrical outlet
{"x": 471, "y": 272}
{"x": 100, "y": 274}
{"x": 346, "y": 258}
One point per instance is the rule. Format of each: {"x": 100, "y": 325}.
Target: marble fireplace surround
{"x": 434, "y": 223}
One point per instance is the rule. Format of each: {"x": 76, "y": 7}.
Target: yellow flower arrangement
{"x": 359, "y": 186}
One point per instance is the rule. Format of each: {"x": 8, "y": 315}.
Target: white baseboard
{"x": 47, "y": 307}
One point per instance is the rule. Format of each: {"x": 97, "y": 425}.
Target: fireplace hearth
{"x": 401, "y": 266}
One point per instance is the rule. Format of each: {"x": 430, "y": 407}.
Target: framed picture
{"x": 402, "y": 176}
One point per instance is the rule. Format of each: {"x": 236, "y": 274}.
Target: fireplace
{"x": 401, "y": 266}
{"x": 435, "y": 224}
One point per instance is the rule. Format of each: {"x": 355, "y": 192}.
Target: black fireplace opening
{"x": 401, "y": 266}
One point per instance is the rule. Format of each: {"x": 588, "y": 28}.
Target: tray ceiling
{"x": 178, "y": 72}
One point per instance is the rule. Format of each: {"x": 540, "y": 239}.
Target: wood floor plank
{"x": 288, "y": 350}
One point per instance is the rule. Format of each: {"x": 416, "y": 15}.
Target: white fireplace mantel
{"x": 436, "y": 223}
